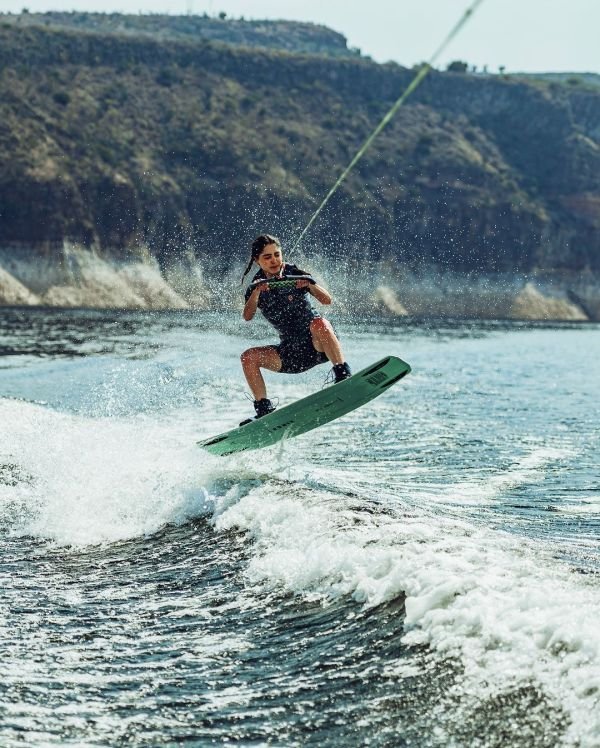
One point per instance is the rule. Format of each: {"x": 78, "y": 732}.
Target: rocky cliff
{"x": 160, "y": 160}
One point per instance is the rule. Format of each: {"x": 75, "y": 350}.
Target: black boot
{"x": 341, "y": 372}
{"x": 262, "y": 408}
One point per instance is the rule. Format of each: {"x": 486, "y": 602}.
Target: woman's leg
{"x": 325, "y": 340}
{"x": 255, "y": 359}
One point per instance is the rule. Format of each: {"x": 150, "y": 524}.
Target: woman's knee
{"x": 256, "y": 358}
{"x": 249, "y": 357}
{"x": 320, "y": 326}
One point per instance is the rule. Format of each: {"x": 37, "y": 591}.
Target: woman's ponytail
{"x": 247, "y": 270}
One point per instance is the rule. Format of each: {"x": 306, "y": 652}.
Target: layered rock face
{"x": 134, "y": 172}
{"x": 77, "y": 277}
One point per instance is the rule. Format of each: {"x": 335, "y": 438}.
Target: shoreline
{"x": 340, "y": 318}
{"x": 73, "y": 277}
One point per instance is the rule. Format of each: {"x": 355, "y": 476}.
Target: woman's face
{"x": 270, "y": 259}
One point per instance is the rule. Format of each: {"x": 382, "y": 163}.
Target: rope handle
{"x": 287, "y": 282}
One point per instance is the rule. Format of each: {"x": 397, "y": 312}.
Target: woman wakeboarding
{"x": 281, "y": 291}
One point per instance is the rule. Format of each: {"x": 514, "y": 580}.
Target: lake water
{"x": 423, "y": 572}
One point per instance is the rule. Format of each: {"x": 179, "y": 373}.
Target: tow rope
{"x": 416, "y": 81}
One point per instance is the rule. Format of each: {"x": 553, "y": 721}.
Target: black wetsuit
{"x": 290, "y": 312}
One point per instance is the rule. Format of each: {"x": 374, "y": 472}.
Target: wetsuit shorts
{"x": 299, "y": 354}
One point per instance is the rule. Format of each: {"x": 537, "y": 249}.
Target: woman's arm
{"x": 252, "y": 303}
{"x": 315, "y": 290}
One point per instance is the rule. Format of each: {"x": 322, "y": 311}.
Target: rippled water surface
{"x": 425, "y": 571}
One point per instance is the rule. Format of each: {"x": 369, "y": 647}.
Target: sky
{"x": 519, "y": 35}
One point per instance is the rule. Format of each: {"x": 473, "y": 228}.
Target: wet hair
{"x": 258, "y": 245}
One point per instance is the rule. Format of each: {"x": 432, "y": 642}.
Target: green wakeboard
{"x": 311, "y": 411}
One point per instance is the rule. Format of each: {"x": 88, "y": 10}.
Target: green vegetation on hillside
{"x": 123, "y": 141}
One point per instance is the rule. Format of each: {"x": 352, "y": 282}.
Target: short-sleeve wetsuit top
{"x": 288, "y": 309}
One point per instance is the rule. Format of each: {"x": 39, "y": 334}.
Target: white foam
{"x": 503, "y": 607}
{"x": 82, "y": 481}
{"x": 527, "y": 469}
